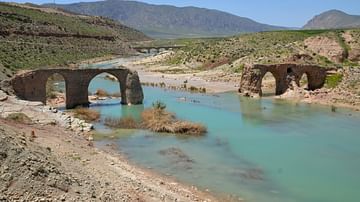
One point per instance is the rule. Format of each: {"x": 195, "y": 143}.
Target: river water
{"x": 259, "y": 149}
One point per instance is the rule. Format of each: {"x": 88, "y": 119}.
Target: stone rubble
{"x": 347, "y": 93}
{"x": 41, "y": 114}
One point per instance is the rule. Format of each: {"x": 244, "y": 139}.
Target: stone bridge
{"x": 285, "y": 75}
{"x": 147, "y": 49}
{"x": 32, "y": 85}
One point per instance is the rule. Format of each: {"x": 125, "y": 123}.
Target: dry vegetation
{"x": 86, "y": 114}
{"x": 19, "y": 117}
{"x": 101, "y": 93}
{"x": 157, "y": 119}
{"x": 125, "y": 122}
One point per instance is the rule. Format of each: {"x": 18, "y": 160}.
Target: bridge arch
{"x": 284, "y": 74}
{"x": 268, "y": 84}
{"x": 32, "y": 85}
{"x": 103, "y": 90}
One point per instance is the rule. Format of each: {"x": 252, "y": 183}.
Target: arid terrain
{"x": 47, "y": 154}
{"x": 46, "y": 162}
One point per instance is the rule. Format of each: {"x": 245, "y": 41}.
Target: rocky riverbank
{"x": 345, "y": 94}
{"x": 41, "y": 114}
{"x": 48, "y": 159}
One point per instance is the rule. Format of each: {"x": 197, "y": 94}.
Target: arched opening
{"x": 304, "y": 82}
{"x": 289, "y": 70}
{"x": 56, "y": 90}
{"x": 268, "y": 85}
{"x": 105, "y": 89}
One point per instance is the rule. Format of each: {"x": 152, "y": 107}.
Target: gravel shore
{"x": 42, "y": 160}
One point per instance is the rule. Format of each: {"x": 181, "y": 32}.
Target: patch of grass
{"x": 157, "y": 119}
{"x": 162, "y": 121}
{"x": 239, "y": 68}
{"x": 124, "y": 122}
{"x": 19, "y": 117}
{"x": 333, "y": 80}
{"x": 86, "y": 114}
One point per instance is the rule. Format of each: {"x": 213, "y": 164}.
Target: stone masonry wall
{"x": 251, "y": 80}
{"x": 32, "y": 85}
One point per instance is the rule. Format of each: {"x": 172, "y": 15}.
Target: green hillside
{"x": 35, "y": 37}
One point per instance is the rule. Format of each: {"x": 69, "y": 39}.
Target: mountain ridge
{"x": 333, "y": 19}
{"x": 166, "y": 21}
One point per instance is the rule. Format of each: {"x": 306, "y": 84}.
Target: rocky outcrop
{"x": 326, "y": 47}
{"x": 354, "y": 50}
{"x": 32, "y": 85}
{"x": 287, "y": 76}
{"x": 5, "y": 86}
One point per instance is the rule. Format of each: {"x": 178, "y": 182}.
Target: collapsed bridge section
{"x": 284, "y": 74}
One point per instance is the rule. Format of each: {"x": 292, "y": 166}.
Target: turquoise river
{"x": 258, "y": 149}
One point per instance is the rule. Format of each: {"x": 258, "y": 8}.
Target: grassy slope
{"x": 263, "y": 47}
{"x": 36, "y": 37}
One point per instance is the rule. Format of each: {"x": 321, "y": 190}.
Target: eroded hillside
{"x": 327, "y": 48}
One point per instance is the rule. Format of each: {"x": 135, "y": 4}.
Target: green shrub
{"x": 159, "y": 105}
{"x": 239, "y": 69}
{"x": 333, "y": 80}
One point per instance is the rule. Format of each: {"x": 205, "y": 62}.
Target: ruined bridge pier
{"x": 32, "y": 85}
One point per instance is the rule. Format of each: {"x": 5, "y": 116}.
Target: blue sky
{"x": 292, "y": 13}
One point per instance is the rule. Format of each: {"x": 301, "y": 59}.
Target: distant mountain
{"x": 161, "y": 21}
{"x": 333, "y": 19}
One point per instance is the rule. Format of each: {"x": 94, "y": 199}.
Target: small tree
{"x": 159, "y": 105}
